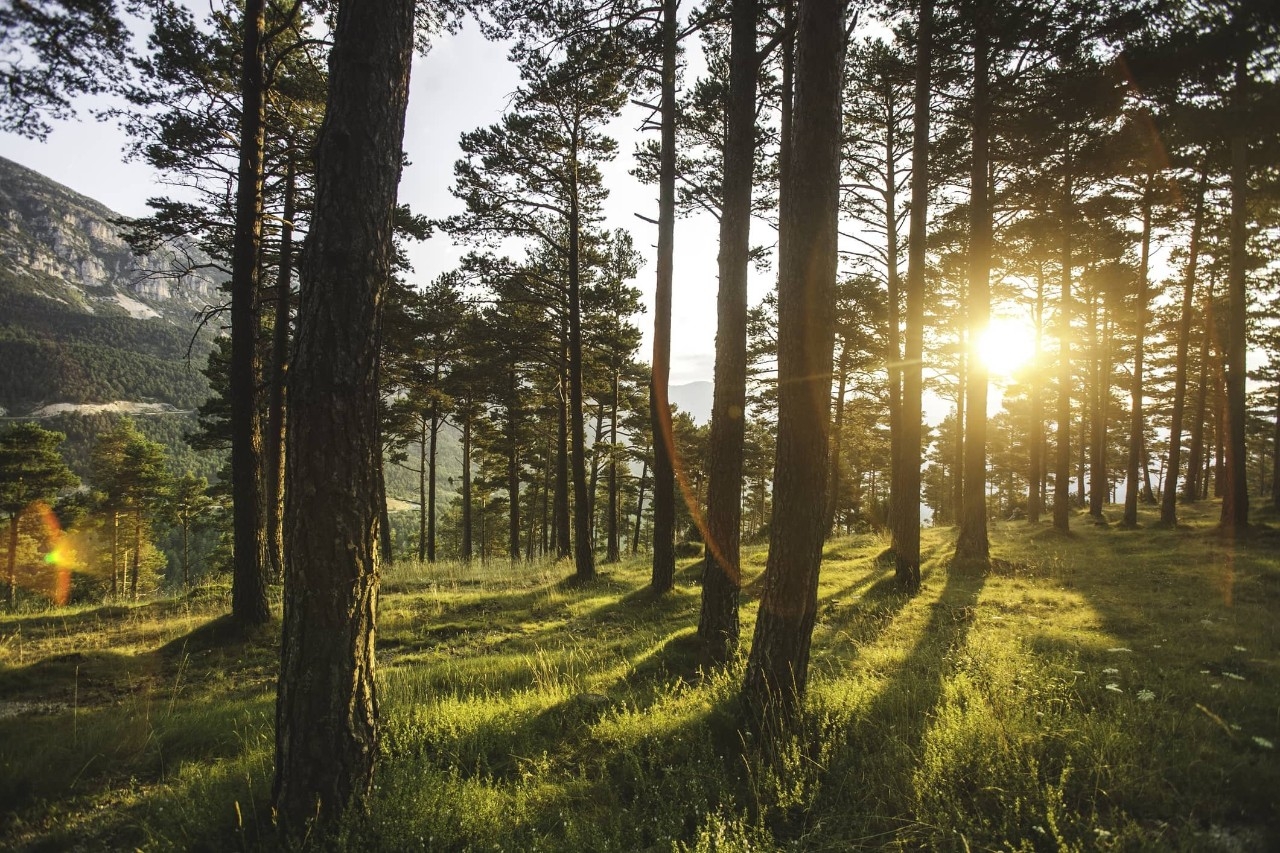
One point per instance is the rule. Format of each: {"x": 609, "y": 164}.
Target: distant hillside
{"x": 89, "y": 331}
{"x": 694, "y": 398}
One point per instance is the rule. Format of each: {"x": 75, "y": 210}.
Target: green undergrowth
{"x": 1106, "y": 690}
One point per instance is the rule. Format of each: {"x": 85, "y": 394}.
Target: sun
{"x": 1007, "y": 345}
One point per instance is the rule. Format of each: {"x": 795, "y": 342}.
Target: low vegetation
{"x": 1112, "y": 690}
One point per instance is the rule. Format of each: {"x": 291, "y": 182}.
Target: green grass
{"x": 1111, "y": 690}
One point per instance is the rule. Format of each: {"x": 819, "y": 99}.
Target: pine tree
{"x": 31, "y": 470}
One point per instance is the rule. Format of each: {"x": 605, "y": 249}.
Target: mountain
{"x": 694, "y": 398}
{"x": 88, "y": 331}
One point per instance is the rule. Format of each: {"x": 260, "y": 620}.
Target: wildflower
{"x": 1240, "y": 648}
{"x": 1111, "y": 670}
{"x": 1120, "y": 649}
{"x": 1204, "y": 672}
{"x": 1263, "y": 742}
{"x": 1102, "y": 834}
{"x": 1114, "y": 688}
{"x": 1235, "y": 728}
{"x": 1146, "y": 695}
{"x": 1234, "y": 677}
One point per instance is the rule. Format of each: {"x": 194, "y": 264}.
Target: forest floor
{"x": 1110, "y": 690}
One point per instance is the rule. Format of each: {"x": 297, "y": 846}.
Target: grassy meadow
{"x": 1111, "y": 690}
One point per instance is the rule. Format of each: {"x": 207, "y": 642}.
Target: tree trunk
{"x": 1275, "y": 461}
{"x": 583, "y": 557}
{"x": 635, "y": 537}
{"x": 560, "y": 514}
{"x": 613, "y": 554}
{"x": 664, "y": 452}
{"x": 593, "y": 479}
{"x": 837, "y": 440}
{"x": 1099, "y": 476}
{"x": 433, "y": 436}
{"x": 907, "y": 540}
{"x": 972, "y": 545}
{"x": 1062, "y": 470}
{"x": 957, "y": 470}
{"x": 13, "y": 560}
{"x": 136, "y": 569}
{"x": 249, "y": 579}
{"x": 1035, "y": 473}
{"x": 1135, "y": 400}
{"x": 422, "y": 489}
{"x": 326, "y": 710}
{"x": 721, "y": 571}
{"x": 276, "y": 424}
{"x": 117, "y": 587}
{"x": 1235, "y": 492}
{"x": 186, "y": 555}
{"x": 1195, "y": 453}
{"x": 777, "y": 669}
{"x": 467, "y": 547}
{"x": 513, "y": 466}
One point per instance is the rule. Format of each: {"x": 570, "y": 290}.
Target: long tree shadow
{"x": 884, "y": 739}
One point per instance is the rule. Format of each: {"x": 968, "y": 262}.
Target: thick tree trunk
{"x": 721, "y": 571}
{"x": 1132, "y": 487}
{"x": 664, "y": 452}
{"x": 1062, "y": 470}
{"x": 136, "y": 569}
{"x": 276, "y": 423}
{"x": 972, "y": 545}
{"x": 1169, "y": 495}
{"x": 249, "y": 578}
{"x": 907, "y": 540}
{"x": 777, "y": 670}
{"x": 326, "y": 710}
{"x": 1235, "y": 492}
{"x": 957, "y": 469}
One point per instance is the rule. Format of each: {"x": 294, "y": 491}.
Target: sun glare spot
{"x": 1007, "y": 345}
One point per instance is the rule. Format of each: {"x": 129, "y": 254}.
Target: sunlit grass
{"x": 1110, "y": 690}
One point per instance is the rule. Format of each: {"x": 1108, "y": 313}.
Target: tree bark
{"x": 467, "y": 546}
{"x": 276, "y": 424}
{"x": 1169, "y": 495}
{"x": 13, "y": 560}
{"x": 326, "y": 708}
{"x": 1139, "y": 339}
{"x": 664, "y": 452}
{"x": 560, "y": 513}
{"x": 1195, "y": 453}
{"x": 1036, "y": 466}
{"x": 583, "y": 555}
{"x": 612, "y": 551}
{"x": 907, "y": 541}
{"x": 635, "y": 537}
{"x": 249, "y": 579}
{"x": 422, "y": 488}
{"x": 1062, "y": 470}
{"x": 513, "y": 466}
{"x": 1235, "y": 493}
{"x": 1099, "y": 476}
{"x": 721, "y": 571}
{"x": 972, "y": 545}
{"x": 433, "y": 436}
{"x": 777, "y": 670}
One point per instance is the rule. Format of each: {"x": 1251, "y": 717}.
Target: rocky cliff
{"x": 66, "y": 247}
